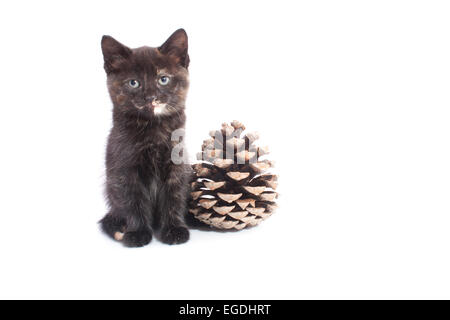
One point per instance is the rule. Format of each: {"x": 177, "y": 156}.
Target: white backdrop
{"x": 351, "y": 96}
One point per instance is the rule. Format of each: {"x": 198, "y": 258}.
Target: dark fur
{"x": 145, "y": 190}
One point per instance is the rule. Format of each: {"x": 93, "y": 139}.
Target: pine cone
{"x": 232, "y": 188}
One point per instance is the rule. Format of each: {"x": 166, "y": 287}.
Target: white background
{"x": 351, "y": 96}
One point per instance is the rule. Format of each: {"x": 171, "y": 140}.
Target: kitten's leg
{"x": 113, "y": 225}
{"x": 138, "y": 238}
{"x": 172, "y": 206}
{"x": 116, "y": 227}
{"x": 129, "y": 221}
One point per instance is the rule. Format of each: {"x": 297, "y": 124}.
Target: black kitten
{"x": 145, "y": 189}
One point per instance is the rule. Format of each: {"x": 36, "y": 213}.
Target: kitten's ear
{"x": 177, "y": 46}
{"x": 113, "y": 53}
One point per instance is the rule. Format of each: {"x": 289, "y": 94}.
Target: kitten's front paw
{"x": 138, "y": 238}
{"x": 175, "y": 235}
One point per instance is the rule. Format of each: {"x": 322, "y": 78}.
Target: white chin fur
{"x": 158, "y": 108}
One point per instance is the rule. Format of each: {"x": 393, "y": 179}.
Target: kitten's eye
{"x": 134, "y": 84}
{"x": 164, "y": 80}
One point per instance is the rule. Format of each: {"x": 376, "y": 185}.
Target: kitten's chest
{"x": 154, "y": 159}
{"x": 151, "y": 151}
{"x": 155, "y": 154}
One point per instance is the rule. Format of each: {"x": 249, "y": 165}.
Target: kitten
{"x": 145, "y": 190}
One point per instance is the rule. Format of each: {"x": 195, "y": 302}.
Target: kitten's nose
{"x": 150, "y": 98}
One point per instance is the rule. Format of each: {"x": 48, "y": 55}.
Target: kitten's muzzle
{"x": 149, "y": 102}
{"x": 153, "y": 104}
{"x": 157, "y": 106}
{"x": 150, "y": 99}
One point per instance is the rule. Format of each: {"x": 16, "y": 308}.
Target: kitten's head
{"x": 148, "y": 82}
